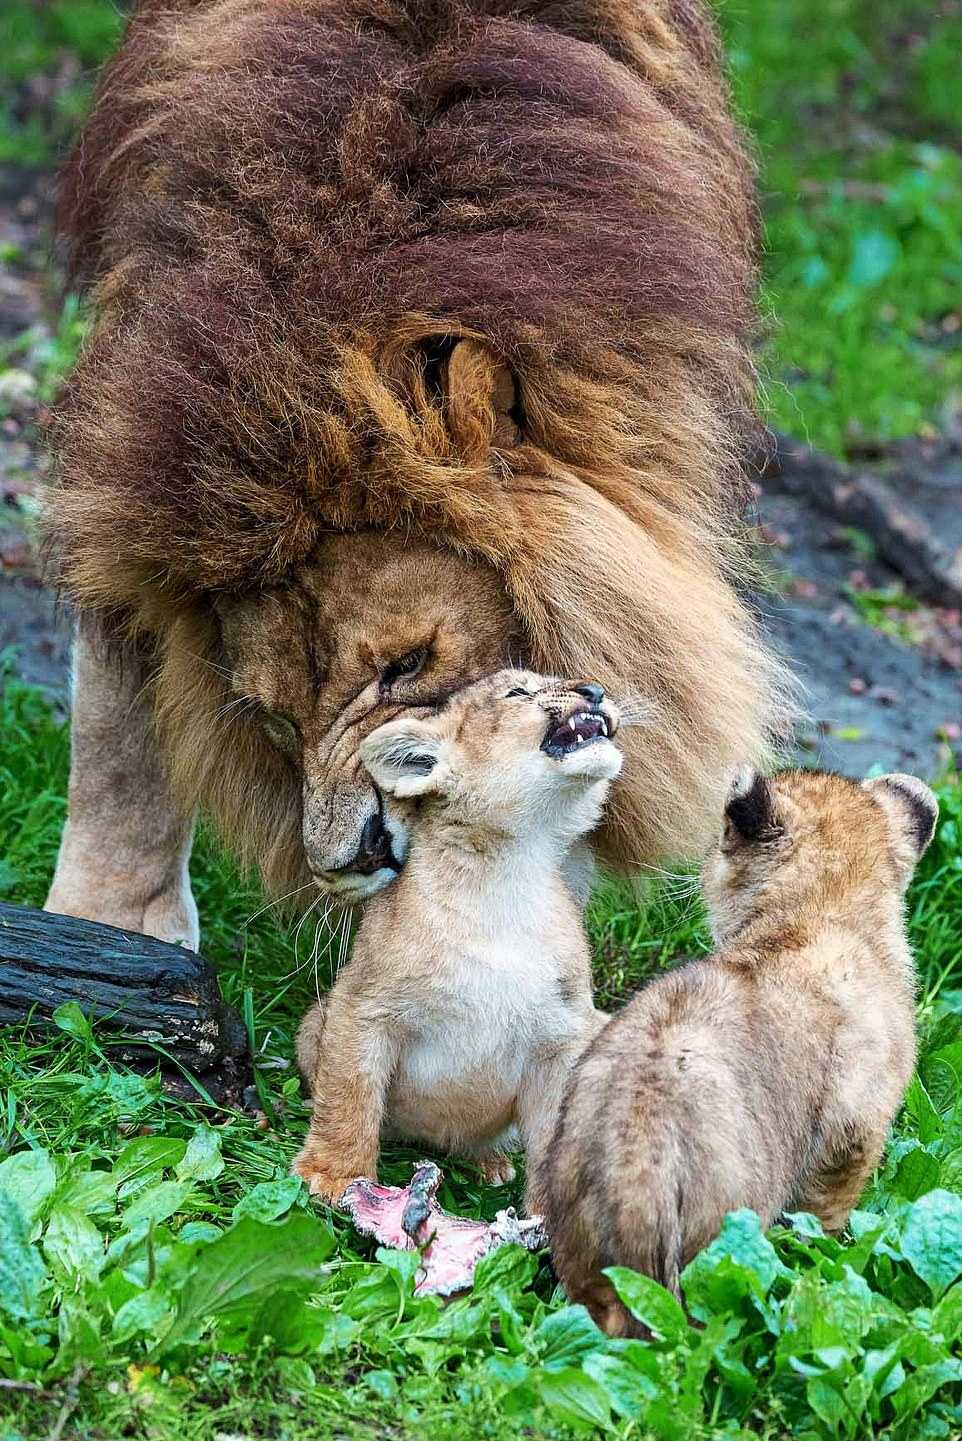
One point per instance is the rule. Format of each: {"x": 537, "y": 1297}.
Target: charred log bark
{"x": 140, "y": 988}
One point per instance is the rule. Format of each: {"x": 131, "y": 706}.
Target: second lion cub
{"x": 468, "y": 995}
{"x": 766, "y": 1075}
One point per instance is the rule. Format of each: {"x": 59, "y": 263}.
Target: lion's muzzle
{"x": 353, "y": 849}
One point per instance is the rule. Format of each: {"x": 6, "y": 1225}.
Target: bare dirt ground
{"x": 886, "y": 693}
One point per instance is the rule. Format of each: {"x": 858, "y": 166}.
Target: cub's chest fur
{"x": 485, "y": 1012}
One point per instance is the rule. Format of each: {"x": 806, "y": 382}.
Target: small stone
{"x": 803, "y": 589}
{"x": 857, "y": 685}
{"x": 261, "y": 1123}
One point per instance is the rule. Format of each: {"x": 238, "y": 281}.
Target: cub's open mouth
{"x": 576, "y": 731}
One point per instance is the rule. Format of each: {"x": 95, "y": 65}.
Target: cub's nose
{"x": 591, "y": 692}
{"x": 374, "y": 851}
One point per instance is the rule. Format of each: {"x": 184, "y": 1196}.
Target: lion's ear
{"x": 406, "y": 758}
{"x": 480, "y": 397}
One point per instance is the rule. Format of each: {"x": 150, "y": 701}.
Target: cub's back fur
{"x": 766, "y": 1075}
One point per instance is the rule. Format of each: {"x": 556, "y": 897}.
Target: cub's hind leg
{"x": 497, "y": 1168}
{"x": 841, "y": 1169}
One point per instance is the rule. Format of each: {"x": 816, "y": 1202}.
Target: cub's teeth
{"x": 604, "y": 728}
{"x": 581, "y": 740}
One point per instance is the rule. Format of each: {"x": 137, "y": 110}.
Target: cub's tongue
{"x": 576, "y": 731}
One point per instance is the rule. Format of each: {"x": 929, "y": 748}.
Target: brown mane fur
{"x": 290, "y": 210}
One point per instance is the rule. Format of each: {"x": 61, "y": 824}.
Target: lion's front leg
{"x": 126, "y": 846}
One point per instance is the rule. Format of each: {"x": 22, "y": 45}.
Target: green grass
{"x": 857, "y": 114}
{"x": 40, "y": 40}
{"x": 162, "y": 1276}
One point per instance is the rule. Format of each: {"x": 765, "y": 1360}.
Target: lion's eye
{"x": 517, "y": 691}
{"x": 280, "y": 729}
{"x": 406, "y": 667}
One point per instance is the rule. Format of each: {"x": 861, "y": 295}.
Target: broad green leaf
{"x": 575, "y": 1398}
{"x": 565, "y": 1336}
{"x": 202, "y": 1160}
{"x": 73, "y": 1242}
{"x": 373, "y": 1295}
{"x": 148, "y": 1311}
{"x": 147, "y": 1154}
{"x": 947, "y": 1315}
{"x": 627, "y": 1387}
{"x": 649, "y": 1303}
{"x": 918, "y": 1172}
{"x": 883, "y": 1370}
{"x": 919, "y": 1106}
{"x": 507, "y": 1268}
{"x": 828, "y": 1403}
{"x": 803, "y": 1223}
{"x": 78, "y": 1332}
{"x": 269, "y": 1199}
{"x": 21, "y": 1270}
{"x": 245, "y": 1265}
{"x": 382, "y": 1383}
{"x": 932, "y": 1239}
{"x": 402, "y": 1265}
{"x": 923, "y": 1384}
{"x": 294, "y": 1325}
{"x": 70, "y": 1018}
{"x": 741, "y": 1263}
{"x": 29, "y": 1178}
{"x": 204, "y": 1231}
{"x": 950, "y": 1171}
{"x": 92, "y": 1192}
{"x": 157, "y": 1203}
{"x": 507, "y": 1370}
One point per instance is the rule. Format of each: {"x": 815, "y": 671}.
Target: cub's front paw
{"x": 324, "y": 1177}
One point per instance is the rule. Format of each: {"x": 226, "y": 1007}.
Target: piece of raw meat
{"x": 409, "y": 1218}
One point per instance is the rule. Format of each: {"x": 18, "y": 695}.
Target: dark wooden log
{"x": 139, "y": 987}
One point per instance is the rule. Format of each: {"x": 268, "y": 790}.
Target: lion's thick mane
{"x": 292, "y": 208}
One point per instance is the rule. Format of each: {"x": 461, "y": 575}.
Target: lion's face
{"x": 371, "y": 628}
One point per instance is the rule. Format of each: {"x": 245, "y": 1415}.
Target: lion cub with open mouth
{"x": 468, "y": 994}
{"x": 766, "y": 1075}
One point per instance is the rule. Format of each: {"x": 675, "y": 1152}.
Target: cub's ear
{"x": 750, "y": 810}
{"x": 406, "y": 758}
{"x": 911, "y": 805}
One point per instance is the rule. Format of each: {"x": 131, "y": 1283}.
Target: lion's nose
{"x": 374, "y": 852}
{"x": 591, "y": 692}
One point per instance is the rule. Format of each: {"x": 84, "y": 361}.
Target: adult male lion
{"x": 421, "y": 345}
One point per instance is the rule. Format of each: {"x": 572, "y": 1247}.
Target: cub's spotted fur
{"x": 766, "y": 1075}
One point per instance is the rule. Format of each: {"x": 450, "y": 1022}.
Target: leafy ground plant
{"x": 162, "y": 1275}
